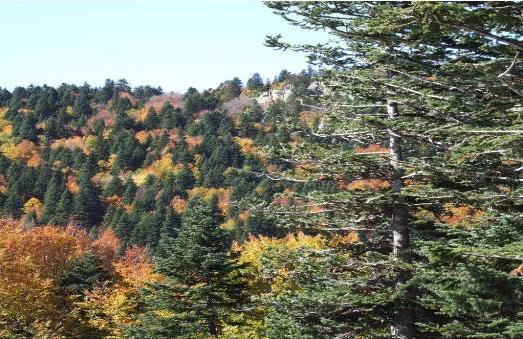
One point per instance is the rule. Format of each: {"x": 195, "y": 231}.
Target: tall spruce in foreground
{"x": 202, "y": 288}
{"x": 420, "y": 127}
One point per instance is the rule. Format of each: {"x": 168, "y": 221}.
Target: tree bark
{"x": 403, "y": 326}
{"x": 211, "y": 320}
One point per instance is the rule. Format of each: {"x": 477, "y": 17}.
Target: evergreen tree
{"x": 255, "y": 82}
{"x": 114, "y": 187}
{"x": 88, "y": 209}
{"x": 84, "y": 275}
{"x": 64, "y": 208}
{"x": 51, "y": 197}
{"x": 152, "y": 120}
{"x": 405, "y": 80}
{"x": 200, "y": 268}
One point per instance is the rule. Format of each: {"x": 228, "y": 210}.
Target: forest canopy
{"x": 376, "y": 194}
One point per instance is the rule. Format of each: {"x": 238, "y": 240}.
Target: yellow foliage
{"x": 160, "y": 168}
{"x": 110, "y": 308}
{"x": 75, "y": 142}
{"x": 343, "y": 240}
{"x": 6, "y": 128}
{"x": 26, "y": 150}
{"x": 229, "y": 224}
{"x": 207, "y": 193}
{"x": 34, "y": 205}
{"x": 253, "y": 250}
{"x": 139, "y": 114}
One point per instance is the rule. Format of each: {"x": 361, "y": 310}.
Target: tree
{"x": 83, "y": 276}
{"x": 255, "y": 82}
{"x": 51, "y": 197}
{"x": 32, "y": 261}
{"x": 114, "y": 187}
{"x": 152, "y": 120}
{"x": 199, "y": 267}
{"x": 424, "y": 63}
{"x": 64, "y": 208}
{"x": 88, "y": 209}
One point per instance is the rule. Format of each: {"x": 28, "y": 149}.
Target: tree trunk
{"x": 211, "y": 320}
{"x": 403, "y": 327}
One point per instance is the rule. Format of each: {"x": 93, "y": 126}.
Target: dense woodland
{"x": 382, "y": 199}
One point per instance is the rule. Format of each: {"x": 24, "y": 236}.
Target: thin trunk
{"x": 211, "y": 320}
{"x": 403, "y": 327}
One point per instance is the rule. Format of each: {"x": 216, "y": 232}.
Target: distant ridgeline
{"x": 131, "y": 158}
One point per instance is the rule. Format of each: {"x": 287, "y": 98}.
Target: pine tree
{"x": 51, "y": 197}
{"x": 84, "y": 275}
{"x": 419, "y": 121}
{"x": 88, "y": 209}
{"x": 201, "y": 270}
{"x": 114, "y": 187}
{"x": 64, "y": 208}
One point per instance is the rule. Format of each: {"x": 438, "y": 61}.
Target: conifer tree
{"x": 419, "y": 121}
{"x": 84, "y": 275}
{"x": 200, "y": 269}
{"x": 88, "y": 209}
{"x": 64, "y": 208}
{"x": 51, "y": 197}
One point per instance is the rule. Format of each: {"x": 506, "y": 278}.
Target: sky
{"x": 175, "y": 44}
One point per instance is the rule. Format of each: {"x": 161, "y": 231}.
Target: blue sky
{"x": 170, "y": 44}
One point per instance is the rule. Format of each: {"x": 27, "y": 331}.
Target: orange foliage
{"x": 134, "y": 267}
{"x": 286, "y": 198}
{"x": 110, "y": 308}
{"x": 157, "y": 101}
{"x": 461, "y": 214}
{"x": 364, "y": 185}
{"x": 3, "y": 184}
{"x": 179, "y": 204}
{"x": 26, "y": 150}
{"x": 32, "y": 260}
{"x": 32, "y": 263}
{"x": 518, "y": 271}
{"x": 193, "y": 141}
{"x": 372, "y": 148}
{"x": 132, "y": 99}
{"x": 113, "y": 200}
{"x": 244, "y": 215}
{"x": 72, "y": 184}
{"x": 106, "y": 246}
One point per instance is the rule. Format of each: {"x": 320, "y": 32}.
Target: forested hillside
{"x": 379, "y": 197}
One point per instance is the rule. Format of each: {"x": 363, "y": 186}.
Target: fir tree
{"x": 200, "y": 268}
{"x": 405, "y": 84}
{"x": 87, "y": 206}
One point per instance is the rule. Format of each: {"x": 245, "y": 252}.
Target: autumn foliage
{"x": 33, "y": 261}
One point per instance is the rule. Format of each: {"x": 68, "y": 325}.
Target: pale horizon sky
{"x": 172, "y": 44}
